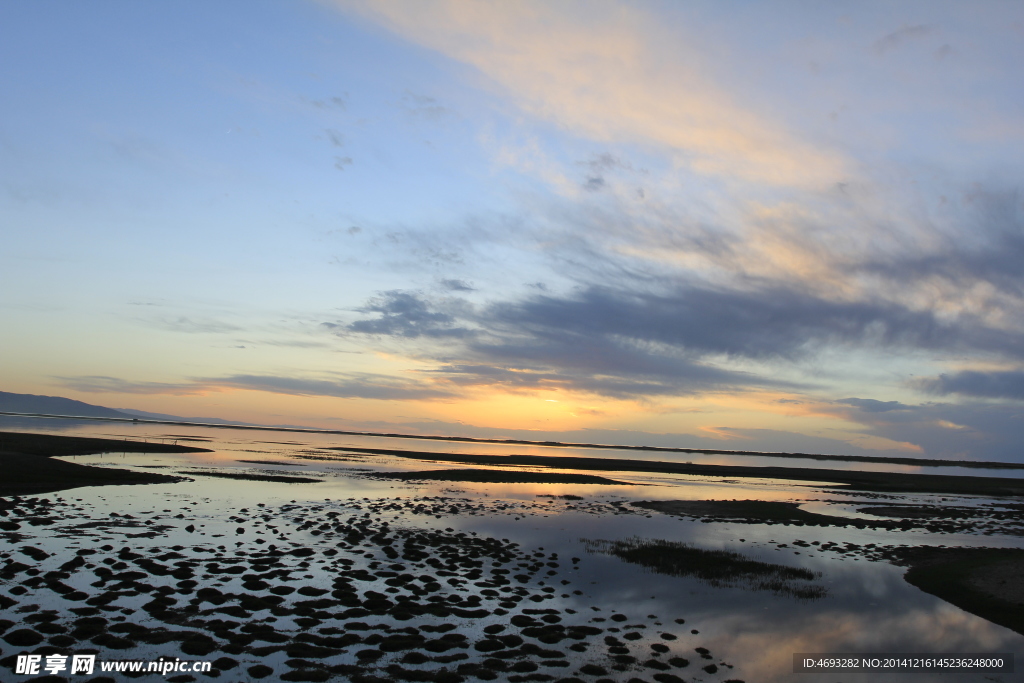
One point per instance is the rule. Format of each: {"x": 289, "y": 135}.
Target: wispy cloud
{"x": 422, "y": 106}
{"x": 900, "y": 36}
{"x": 603, "y": 72}
{"x": 99, "y": 384}
{"x": 457, "y": 285}
{"x": 870, "y": 405}
{"x": 332, "y": 102}
{"x": 352, "y": 385}
{"x": 337, "y": 385}
{"x": 195, "y": 325}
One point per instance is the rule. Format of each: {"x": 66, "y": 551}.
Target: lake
{"x": 364, "y": 578}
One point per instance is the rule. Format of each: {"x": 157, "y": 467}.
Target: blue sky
{"x": 786, "y": 225}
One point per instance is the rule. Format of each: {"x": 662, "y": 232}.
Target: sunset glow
{"x": 761, "y": 226}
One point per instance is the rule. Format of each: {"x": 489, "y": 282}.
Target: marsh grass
{"x": 718, "y": 568}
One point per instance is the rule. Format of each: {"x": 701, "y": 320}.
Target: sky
{"x": 784, "y": 226}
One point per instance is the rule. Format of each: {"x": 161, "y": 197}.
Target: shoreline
{"x": 374, "y": 542}
{"x": 29, "y": 465}
{"x": 851, "y": 480}
{"x": 919, "y": 462}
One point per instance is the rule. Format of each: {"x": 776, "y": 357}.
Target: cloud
{"x": 968, "y": 430}
{"x": 901, "y": 36}
{"x": 335, "y": 102}
{"x": 758, "y": 251}
{"x": 599, "y": 342}
{"x": 405, "y": 314}
{"x": 457, "y": 286}
{"x": 369, "y": 386}
{"x": 291, "y": 343}
{"x": 662, "y": 303}
{"x": 337, "y": 385}
{"x": 979, "y": 384}
{"x": 611, "y": 72}
{"x": 99, "y": 384}
{"x": 549, "y": 368}
{"x": 988, "y": 245}
{"x": 422, "y": 106}
{"x": 760, "y": 323}
{"x": 633, "y": 336}
{"x": 781, "y": 441}
{"x": 600, "y": 165}
{"x": 196, "y": 326}
{"x": 335, "y": 138}
{"x": 607, "y": 162}
{"x": 870, "y": 405}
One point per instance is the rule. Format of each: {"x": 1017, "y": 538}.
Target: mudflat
{"x": 982, "y": 581}
{"x": 29, "y": 468}
{"x": 853, "y": 480}
{"x": 50, "y": 445}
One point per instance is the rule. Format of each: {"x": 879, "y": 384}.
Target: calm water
{"x": 119, "y": 429}
{"x": 867, "y": 606}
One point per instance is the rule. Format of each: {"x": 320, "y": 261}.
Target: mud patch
{"x": 719, "y": 568}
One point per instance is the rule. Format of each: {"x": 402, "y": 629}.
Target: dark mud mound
{"x": 282, "y": 478}
{"x": 27, "y": 467}
{"x": 53, "y": 445}
{"x": 719, "y": 568}
{"x": 31, "y": 474}
{"x": 746, "y": 511}
{"x": 988, "y": 520}
{"x": 983, "y": 581}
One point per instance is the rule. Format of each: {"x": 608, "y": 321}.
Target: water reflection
{"x": 227, "y": 436}
{"x": 866, "y": 606}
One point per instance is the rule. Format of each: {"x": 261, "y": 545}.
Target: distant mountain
{"x": 131, "y": 412}
{"x": 56, "y": 405}
{"x": 53, "y": 405}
